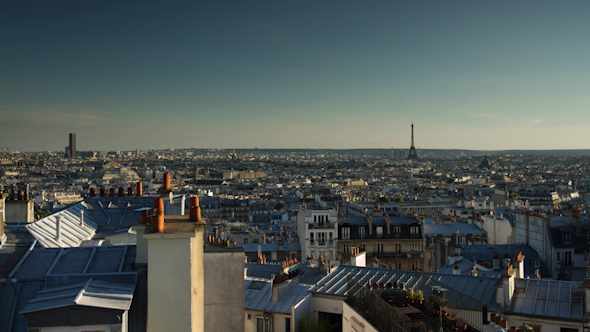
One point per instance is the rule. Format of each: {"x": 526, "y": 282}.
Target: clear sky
{"x": 294, "y": 74}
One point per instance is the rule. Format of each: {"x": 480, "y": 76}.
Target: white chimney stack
{"x": 81, "y": 218}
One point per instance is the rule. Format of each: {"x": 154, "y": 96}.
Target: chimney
{"x": 58, "y": 229}
{"x": 195, "y": 209}
{"x": 27, "y": 191}
{"x": 387, "y": 223}
{"x": 576, "y": 221}
{"x": 358, "y": 258}
{"x": 158, "y": 216}
{"x": 112, "y": 192}
{"x": 456, "y": 270}
{"x": 500, "y": 295}
{"x": 508, "y": 276}
{"x": 370, "y": 223}
{"x": 139, "y": 191}
{"x": 144, "y": 217}
{"x": 92, "y": 193}
{"x": 519, "y": 261}
{"x": 176, "y": 275}
{"x": 166, "y": 183}
{"x": 81, "y": 218}
{"x": 129, "y": 191}
{"x": 101, "y": 192}
{"x": 20, "y": 195}
{"x": 121, "y": 192}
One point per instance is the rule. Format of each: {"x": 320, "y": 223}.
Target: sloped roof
{"x": 463, "y": 228}
{"x": 547, "y": 298}
{"x": 72, "y": 231}
{"x": 93, "y": 293}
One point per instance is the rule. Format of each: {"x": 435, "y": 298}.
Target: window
{"x": 399, "y": 265}
{"x": 311, "y": 238}
{"x": 287, "y": 324}
{"x": 322, "y": 238}
{"x": 398, "y": 248}
{"x": 379, "y": 232}
{"x": 414, "y": 230}
{"x": 245, "y": 241}
{"x": 415, "y": 247}
{"x": 262, "y": 325}
{"x": 361, "y": 232}
{"x": 345, "y": 233}
{"x": 362, "y": 247}
{"x": 415, "y": 265}
{"x": 397, "y": 229}
{"x": 566, "y": 237}
{"x": 536, "y": 264}
{"x": 567, "y": 256}
{"x": 565, "y": 329}
{"x": 380, "y": 247}
{"x": 462, "y": 240}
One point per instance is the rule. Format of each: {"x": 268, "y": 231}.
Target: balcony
{"x": 322, "y": 225}
{"x": 399, "y": 255}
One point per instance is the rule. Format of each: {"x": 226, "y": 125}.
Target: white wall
{"x": 350, "y": 319}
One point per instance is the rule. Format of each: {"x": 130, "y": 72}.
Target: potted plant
{"x": 452, "y": 319}
{"x": 417, "y": 297}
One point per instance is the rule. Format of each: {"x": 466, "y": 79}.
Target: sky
{"x": 125, "y": 75}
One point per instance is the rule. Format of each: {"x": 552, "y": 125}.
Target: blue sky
{"x": 295, "y": 74}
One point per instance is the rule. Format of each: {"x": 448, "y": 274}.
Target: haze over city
{"x": 148, "y": 75}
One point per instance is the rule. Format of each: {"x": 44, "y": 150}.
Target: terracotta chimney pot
{"x": 166, "y": 183}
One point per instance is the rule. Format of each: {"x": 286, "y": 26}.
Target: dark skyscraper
{"x": 413, "y": 154}
{"x": 72, "y": 152}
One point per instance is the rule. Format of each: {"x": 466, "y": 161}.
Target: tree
{"x": 42, "y": 213}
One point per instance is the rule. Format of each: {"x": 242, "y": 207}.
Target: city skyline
{"x": 478, "y": 76}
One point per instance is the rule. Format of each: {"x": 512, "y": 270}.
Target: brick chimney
{"x": 139, "y": 190}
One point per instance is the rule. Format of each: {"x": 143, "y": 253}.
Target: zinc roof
{"x": 94, "y": 293}
{"x": 72, "y": 232}
{"x": 547, "y": 298}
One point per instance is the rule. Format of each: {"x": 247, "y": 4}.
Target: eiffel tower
{"x": 413, "y": 155}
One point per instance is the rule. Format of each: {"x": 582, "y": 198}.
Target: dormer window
{"x": 567, "y": 237}
{"x": 361, "y": 232}
{"x": 346, "y": 233}
{"x": 536, "y": 264}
